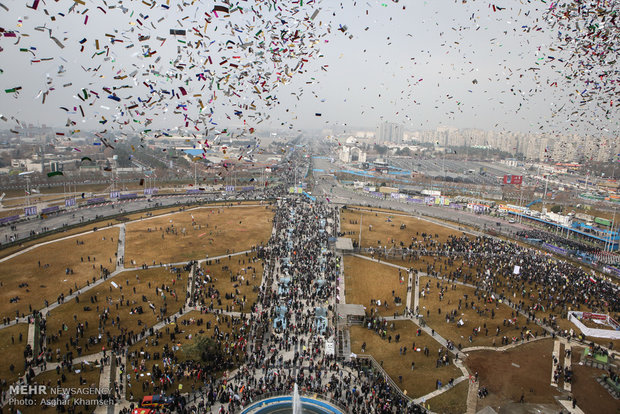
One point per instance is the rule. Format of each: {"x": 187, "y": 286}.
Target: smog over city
{"x": 396, "y": 206}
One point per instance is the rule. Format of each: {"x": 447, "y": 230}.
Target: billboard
{"x": 513, "y": 179}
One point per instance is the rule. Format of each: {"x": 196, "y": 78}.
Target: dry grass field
{"x": 453, "y": 401}
{"x": 34, "y": 199}
{"x": 119, "y": 302}
{"x": 386, "y": 229}
{"x": 524, "y": 370}
{"x": 140, "y": 373}
{"x": 366, "y": 280}
{"x": 390, "y": 234}
{"x": 211, "y": 231}
{"x": 88, "y": 376}
{"x": 49, "y": 280}
{"x": 591, "y": 397}
{"x": 478, "y": 317}
{"x": 13, "y": 353}
{"x": 527, "y": 295}
{"x": 13, "y": 212}
{"x": 239, "y": 275}
{"x": 417, "y": 382}
{"x": 7, "y": 251}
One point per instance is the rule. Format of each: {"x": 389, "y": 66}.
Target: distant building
{"x": 351, "y": 152}
{"x": 391, "y": 132}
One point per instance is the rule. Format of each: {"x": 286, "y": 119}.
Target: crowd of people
{"x": 276, "y": 359}
{"x": 535, "y": 281}
{"x": 571, "y": 245}
{"x": 299, "y": 285}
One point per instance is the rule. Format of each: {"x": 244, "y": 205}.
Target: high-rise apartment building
{"x": 391, "y": 132}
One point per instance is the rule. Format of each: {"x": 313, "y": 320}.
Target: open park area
{"x": 197, "y": 233}
{"x": 185, "y": 304}
{"x": 89, "y": 300}
{"x": 485, "y": 298}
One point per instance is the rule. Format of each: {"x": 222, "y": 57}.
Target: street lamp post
{"x": 28, "y": 190}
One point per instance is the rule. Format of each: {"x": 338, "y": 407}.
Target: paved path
{"x": 361, "y": 256}
{"x": 568, "y": 405}
{"x": 555, "y": 360}
{"x": 505, "y": 347}
{"x": 424, "y": 398}
{"x": 106, "y": 377}
{"x": 120, "y": 254}
{"x": 409, "y": 290}
{"x": 31, "y": 329}
{"x": 472, "y": 397}
{"x": 567, "y": 365}
{"x": 342, "y": 296}
{"x": 416, "y": 295}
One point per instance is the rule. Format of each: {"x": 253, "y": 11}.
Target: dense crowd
{"x": 533, "y": 279}
{"x": 299, "y": 279}
{"x": 571, "y": 245}
{"x": 279, "y": 341}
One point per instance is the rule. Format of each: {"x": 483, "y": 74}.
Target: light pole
{"x": 359, "y": 244}
{"x": 28, "y": 190}
{"x": 611, "y": 232}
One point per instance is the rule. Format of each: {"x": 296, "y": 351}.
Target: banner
{"x": 30, "y": 211}
{"x": 597, "y": 316}
{"x": 513, "y": 179}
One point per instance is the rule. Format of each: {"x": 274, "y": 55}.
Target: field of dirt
{"x": 531, "y": 377}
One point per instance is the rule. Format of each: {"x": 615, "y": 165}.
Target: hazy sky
{"x": 422, "y": 63}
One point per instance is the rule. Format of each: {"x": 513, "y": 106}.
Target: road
{"x": 88, "y": 213}
{"x": 329, "y": 187}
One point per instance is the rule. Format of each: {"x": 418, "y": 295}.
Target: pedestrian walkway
{"x": 31, "y": 331}
{"x": 106, "y": 378}
{"x": 438, "y": 338}
{"x": 567, "y": 365}
{"x": 409, "y": 290}
{"x": 505, "y": 347}
{"x": 447, "y": 387}
{"x": 341, "y": 286}
{"x": 568, "y": 406}
{"x": 372, "y": 259}
{"x": 555, "y": 361}
{"x": 472, "y": 397}
{"x": 416, "y": 295}
{"x": 120, "y": 254}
